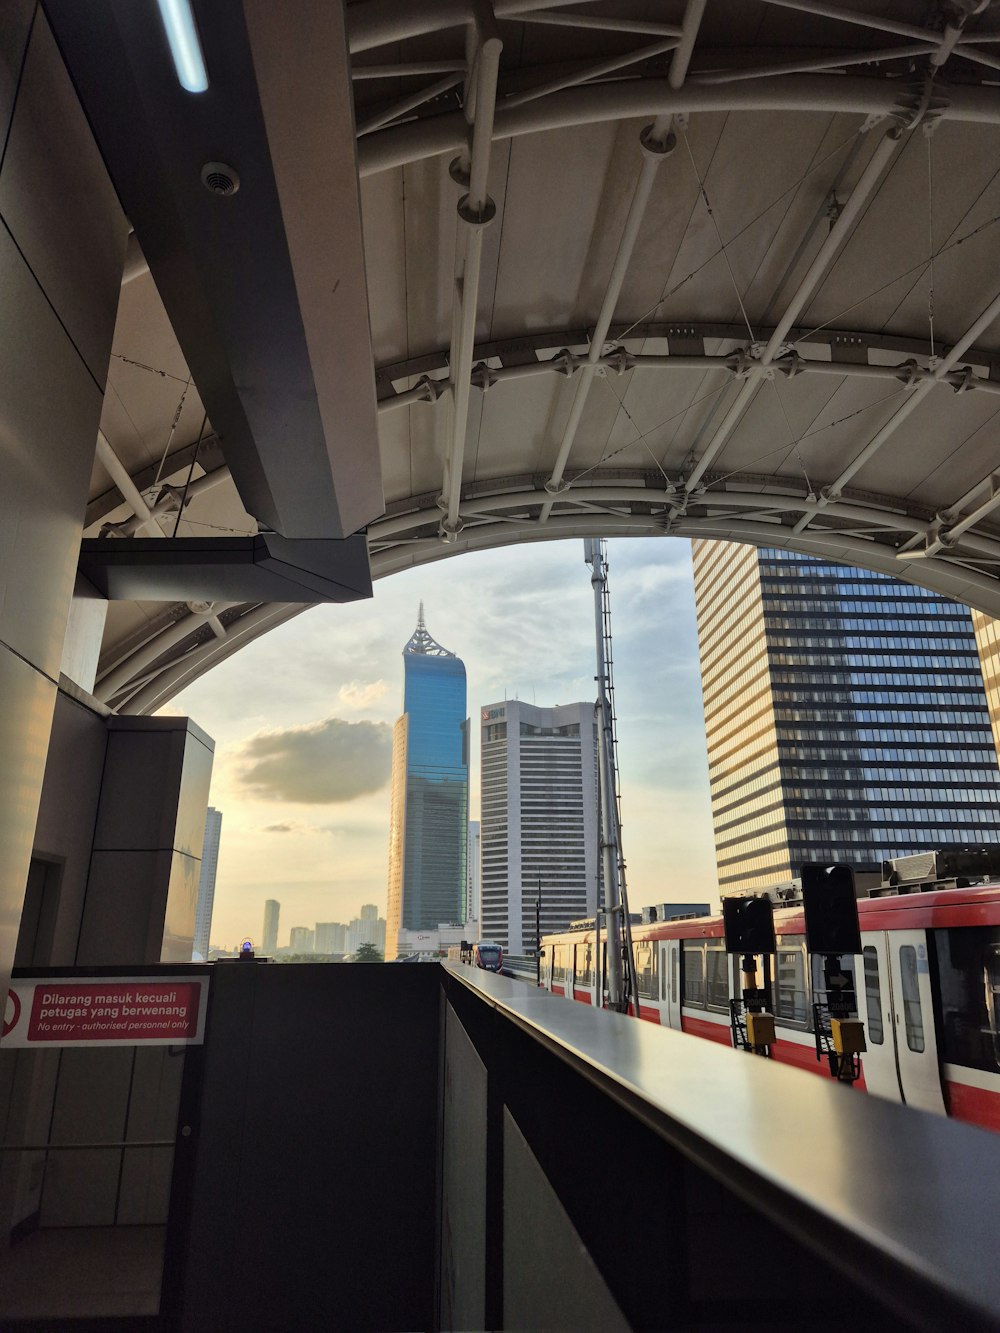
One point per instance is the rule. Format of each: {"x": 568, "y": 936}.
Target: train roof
{"x": 974, "y": 904}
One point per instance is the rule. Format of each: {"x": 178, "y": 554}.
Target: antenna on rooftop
{"x": 421, "y": 642}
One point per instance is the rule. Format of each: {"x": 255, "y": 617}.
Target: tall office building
{"x": 301, "y": 940}
{"x": 272, "y": 911}
{"x": 845, "y": 713}
{"x": 206, "y": 885}
{"x": 539, "y": 819}
{"x": 472, "y": 873}
{"x": 330, "y": 937}
{"x": 430, "y": 792}
{"x": 988, "y": 638}
{"x": 366, "y": 928}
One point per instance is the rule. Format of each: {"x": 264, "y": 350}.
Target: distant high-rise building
{"x": 301, "y": 940}
{"x": 845, "y": 713}
{"x": 272, "y": 910}
{"x": 330, "y": 937}
{"x": 538, "y": 820}
{"x": 366, "y": 929}
{"x": 472, "y": 873}
{"x": 206, "y": 884}
{"x": 430, "y": 792}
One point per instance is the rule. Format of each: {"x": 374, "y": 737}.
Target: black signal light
{"x": 831, "y": 909}
{"x": 748, "y": 924}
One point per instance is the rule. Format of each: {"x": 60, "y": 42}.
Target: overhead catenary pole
{"x": 538, "y": 932}
{"x": 621, "y": 962}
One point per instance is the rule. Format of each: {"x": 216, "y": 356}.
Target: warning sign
{"x": 123, "y": 1011}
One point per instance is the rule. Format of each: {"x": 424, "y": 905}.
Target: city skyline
{"x": 303, "y": 717}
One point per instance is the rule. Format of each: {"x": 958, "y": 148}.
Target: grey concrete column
{"x": 142, "y": 889}
{"x": 62, "y": 243}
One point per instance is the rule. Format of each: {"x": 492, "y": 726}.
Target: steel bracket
{"x": 482, "y": 377}
{"x": 962, "y": 378}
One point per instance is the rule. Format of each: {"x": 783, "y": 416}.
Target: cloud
{"x": 359, "y": 696}
{"x": 281, "y": 828}
{"x": 325, "y": 763}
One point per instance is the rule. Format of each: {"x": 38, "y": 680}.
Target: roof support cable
{"x": 657, "y": 143}
{"x": 476, "y": 210}
{"x": 913, "y": 401}
{"x": 827, "y": 253}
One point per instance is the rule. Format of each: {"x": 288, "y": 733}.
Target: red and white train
{"x": 927, "y": 987}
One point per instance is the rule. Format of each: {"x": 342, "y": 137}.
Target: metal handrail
{"x": 114, "y": 1143}
{"x": 900, "y": 1201}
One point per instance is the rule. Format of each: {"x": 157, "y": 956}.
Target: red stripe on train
{"x": 978, "y": 1106}
{"x": 699, "y": 1027}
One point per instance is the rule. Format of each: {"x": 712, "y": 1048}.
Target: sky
{"x": 302, "y": 720}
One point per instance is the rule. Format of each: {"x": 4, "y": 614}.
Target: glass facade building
{"x": 428, "y": 829}
{"x": 846, "y": 716}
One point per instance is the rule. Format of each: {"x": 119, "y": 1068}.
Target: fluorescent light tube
{"x": 178, "y": 24}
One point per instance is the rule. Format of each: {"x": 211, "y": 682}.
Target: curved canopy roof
{"x": 726, "y": 268}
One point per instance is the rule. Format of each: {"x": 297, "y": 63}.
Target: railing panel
{"x": 749, "y": 1190}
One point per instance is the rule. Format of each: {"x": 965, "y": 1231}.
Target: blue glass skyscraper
{"x": 428, "y": 828}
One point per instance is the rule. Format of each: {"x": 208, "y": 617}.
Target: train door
{"x": 913, "y": 1009}
{"x": 901, "y": 1061}
{"x": 670, "y": 983}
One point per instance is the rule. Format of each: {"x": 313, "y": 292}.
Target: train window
{"x": 873, "y": 997}
{"x": 584, "y": 972}
{"x": 791, "y": 999}
{"x": 645, "y": 970}
{"x": 912, "y": 1017}
{"x": 674, "y": 969}
{"x": 717, "y": 978}
{"x": 694, "y": 974}
{"x": 559, "y": 963}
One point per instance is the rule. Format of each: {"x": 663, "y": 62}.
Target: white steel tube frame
{"x": 824, "y": 257}
{"x": 475, "y": 212}
{"x": 656, "y": 145}
{"x": 988, "y": 317}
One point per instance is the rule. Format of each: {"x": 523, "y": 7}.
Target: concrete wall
{"x": 62, "y": 244}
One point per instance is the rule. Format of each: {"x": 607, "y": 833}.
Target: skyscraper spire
{"x": 421, "y": 641}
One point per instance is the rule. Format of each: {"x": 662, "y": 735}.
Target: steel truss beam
{"x": 856, "y": 532}
{"x": 735, "y": 364}
{"x": 875, "y": 97}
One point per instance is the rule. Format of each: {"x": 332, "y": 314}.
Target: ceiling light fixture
{"x": 179, "y": 25}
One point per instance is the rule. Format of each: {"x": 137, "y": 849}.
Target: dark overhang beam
{"x": 265, "y": 288}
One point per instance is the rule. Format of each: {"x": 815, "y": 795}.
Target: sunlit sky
{"x": 302, "y": 721}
